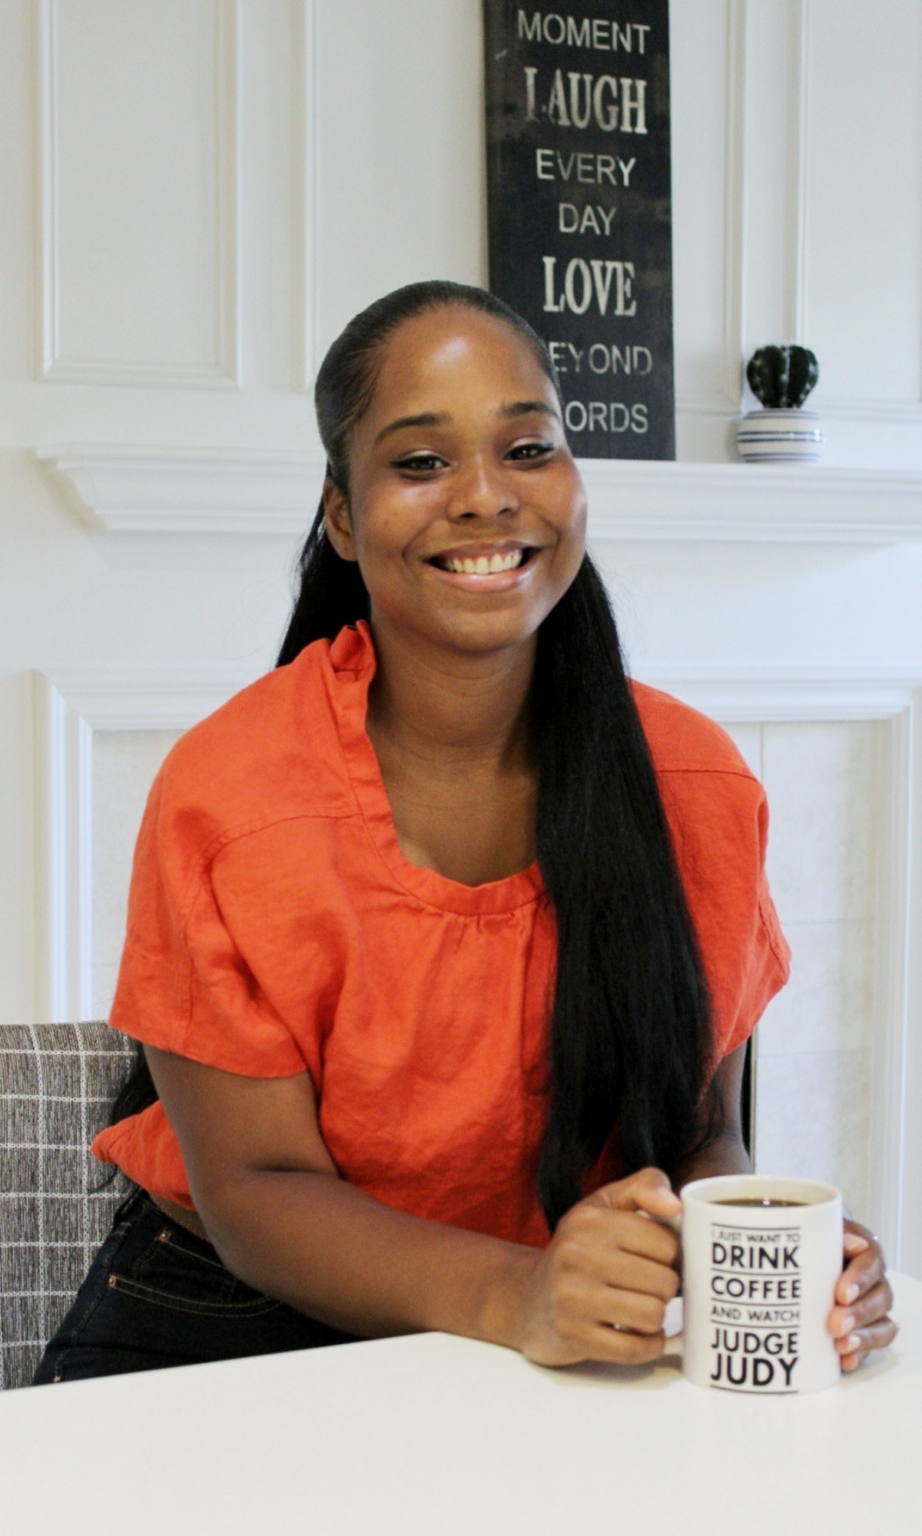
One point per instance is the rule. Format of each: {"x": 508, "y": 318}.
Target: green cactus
{"x": 782, "y": 376}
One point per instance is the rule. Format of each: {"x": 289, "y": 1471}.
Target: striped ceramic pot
{"x": 780, "y": 435}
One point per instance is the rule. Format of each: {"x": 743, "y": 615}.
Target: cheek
{"x": 384, "y": 540}
{"x": 571, "y": 549}
{"x": 572, "y": 525}
{"x": 377, "y": 537}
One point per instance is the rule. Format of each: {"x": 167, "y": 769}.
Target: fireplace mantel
{"x": 132, "y": 489}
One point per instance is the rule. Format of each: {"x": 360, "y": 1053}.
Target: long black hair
{"x": 629, "y": 1037}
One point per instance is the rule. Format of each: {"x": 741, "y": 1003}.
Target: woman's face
{"x": 466, "y": 512}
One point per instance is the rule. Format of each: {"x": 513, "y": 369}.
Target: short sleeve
{"x": 183, "y": 984}
{"x": 719, "y": 822}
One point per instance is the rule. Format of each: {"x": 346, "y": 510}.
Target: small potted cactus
{"x": 782, "y": 432}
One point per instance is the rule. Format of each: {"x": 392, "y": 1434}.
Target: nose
{"x": 482, "y": 489}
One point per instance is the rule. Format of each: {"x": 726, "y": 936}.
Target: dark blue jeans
{"x": 156, "y": 1295}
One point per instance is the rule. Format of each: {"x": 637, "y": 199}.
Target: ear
{"x": 338, "y": 520}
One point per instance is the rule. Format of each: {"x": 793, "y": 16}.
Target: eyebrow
{"x": 527, "y": 407}
{"x": 425, "y": 419}
{"x": 437, "y": 419}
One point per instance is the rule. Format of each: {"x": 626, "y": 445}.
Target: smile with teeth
{"x": 482, "y": 565}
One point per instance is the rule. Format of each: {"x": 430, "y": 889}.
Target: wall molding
{"x": 306, "y": 162}
{"x": 188, "y": 490}
{"x": 792, "y": 695}
{"x": 799, "y": 217}
{"x": 695, "y": 502}
{"x": 208, "y": 490}
{"x": 735, "y": 263}
{"x": 54, "y": 365}
{"x": 893, "y": 413}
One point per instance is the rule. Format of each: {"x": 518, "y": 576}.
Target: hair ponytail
{"x": 630, "y": 1024}
{"x": 331, "y": 594}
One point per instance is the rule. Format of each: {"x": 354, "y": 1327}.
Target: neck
{"x": 451, "y": 712}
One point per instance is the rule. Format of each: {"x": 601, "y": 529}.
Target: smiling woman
{"x": 444, "y": 939}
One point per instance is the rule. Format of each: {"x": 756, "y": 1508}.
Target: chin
{"x": 488, "y": 632}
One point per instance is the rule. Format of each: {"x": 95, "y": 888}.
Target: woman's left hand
{"x": 859, "y": 1321}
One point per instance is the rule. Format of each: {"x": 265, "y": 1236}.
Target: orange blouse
{"x": 274, "y": 926}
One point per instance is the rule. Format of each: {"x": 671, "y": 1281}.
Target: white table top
{"x": 434, "y": 1435}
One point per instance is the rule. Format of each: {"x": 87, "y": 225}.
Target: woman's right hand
{"x": 599, "y": 1291}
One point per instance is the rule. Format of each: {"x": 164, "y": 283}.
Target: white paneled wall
{"x": 708, "y": 42}
{"x": 847, "y": 305}
{"x": 825, "y": 784}
{"x": 137, "y": 142}
{"x": 124, "y": 766}
{"x": 195, "y": 196}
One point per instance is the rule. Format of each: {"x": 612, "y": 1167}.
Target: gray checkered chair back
{"x": 57, "y": 1082}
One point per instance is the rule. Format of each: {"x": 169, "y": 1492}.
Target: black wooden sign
{"x": 580, "y": 209}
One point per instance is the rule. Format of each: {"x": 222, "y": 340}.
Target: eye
{"x": 531, "y": 451}
{"x": 419, "y": 463}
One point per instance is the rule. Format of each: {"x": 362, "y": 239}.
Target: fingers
{"x": 632, "y": 1310}
{"x": 856, "y": 1346}
{"x": 857, "y": 1328}
{"x": 865, "y": 1268}
{"x": 631, "y": 1330}
{"x": 859, "y": 1322}
{"x": 629, "y": 1232}
{"x": 853, "y": 1244}
{"x": 616, "y": 1348}
{"x": 574, "y": 1317}
{"x": 627, "y": 1272}
{"x": 614, "y": 1325}
{"x": 601, "y": 1289}
{"x": 634, "y": 1200}
{"x": 603, "y": 1243}
{"x": 870, "y": 1307}
{"x": 649, "y": 1190}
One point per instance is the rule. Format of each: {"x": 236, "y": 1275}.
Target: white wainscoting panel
{"x": 71, "y": 709}
{"x": 794, "y": 216}
{"x": 124, "y": 766}
{"x": 825, "y": 784}
{"x": 863, "y": 171}
{"x": 137, "y": 192}
{"x": 709, "y": 63}
{"x": 823, "y": 780}
{"x": 849, "y": 1096}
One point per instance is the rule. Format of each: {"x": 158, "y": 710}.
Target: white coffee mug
{"x": 758, "y": 1283}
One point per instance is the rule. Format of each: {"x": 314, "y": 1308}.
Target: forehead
{"x": 453, "y": 354}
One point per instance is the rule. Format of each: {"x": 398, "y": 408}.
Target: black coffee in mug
{"x": 765, "y": 1204}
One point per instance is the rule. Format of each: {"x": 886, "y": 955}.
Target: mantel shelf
{"x": 234, "y": 491}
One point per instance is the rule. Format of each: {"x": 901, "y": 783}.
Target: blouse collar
{"x": 352, "y": 657}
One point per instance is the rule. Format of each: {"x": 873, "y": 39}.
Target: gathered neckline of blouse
{"x": 352, "y": 656}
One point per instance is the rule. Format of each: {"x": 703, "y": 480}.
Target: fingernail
{"x": 854, "y": 1344}
{"x": 851, "y": 1291}
{"x": 848, "y": 1323}
{"x": 855, "y": 1244}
